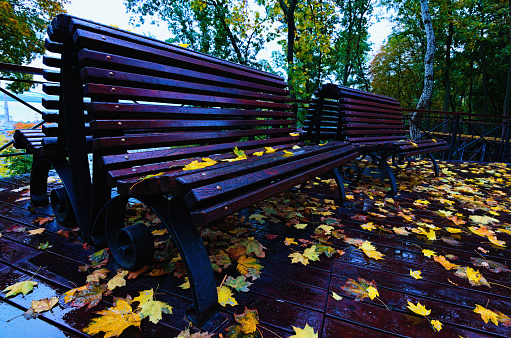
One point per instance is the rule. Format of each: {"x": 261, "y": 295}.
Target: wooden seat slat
{"x": 125, "y": 110}
{"x": 224, "y": 208}
{"x": 186, "y": 124}
{"x": 142, "y": 94}
{"x": 371, "y": 113}
{"x": 183, "y": 138}
{"x": 371, "y": 132}
{"x": 117, "y": 161}
{"x": 126, "y": 79}
{"x": 377, "y": 125}
{"x": 210, "y": 192}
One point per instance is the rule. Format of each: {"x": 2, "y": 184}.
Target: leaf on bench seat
{"x": 206, "y": 162}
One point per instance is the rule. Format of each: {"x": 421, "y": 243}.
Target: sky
{"x": 113, "y": 12}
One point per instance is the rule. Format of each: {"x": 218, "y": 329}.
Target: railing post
{"x": 454, "y": 134}
{"x": 507, "y": 135}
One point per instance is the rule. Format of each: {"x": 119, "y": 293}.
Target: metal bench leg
{"x": 39, "y": 181}
{"x": 435, "y": 165}
{"x": 340, "y": 184}
{"x": 127, "y": 243}
{"x": 382, "y": 161}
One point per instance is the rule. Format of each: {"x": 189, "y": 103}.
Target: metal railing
{"x": 7, "y": 67}
{"x": 472, "y": 137}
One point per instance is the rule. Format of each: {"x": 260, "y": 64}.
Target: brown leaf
{"x": 89, "y": 294}
{"x": 97, "y": 275}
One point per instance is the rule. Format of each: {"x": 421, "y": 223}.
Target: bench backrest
{"x": 156, "y": 106}
{"x": 362, "y": 117}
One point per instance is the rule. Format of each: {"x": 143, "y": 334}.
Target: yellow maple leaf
{"x": 114, "y": 320}
{"x": 445, "y": 263}
{"x": 486, "y": 314}
{"x": 428, "y": 253}
{"x": 326, "y": 228}
{"x": 311, "y": 253}
{"x": 270, "y": 150}
{"x": 336, "y": 296}
{"x": 453, "y": 230}
{"x": 159, "y": 232}
{"x": 483, "y": 219}
{"x": 248, "y": 320}
{"x": 245, "y": 263}
{"x": 225, "y": 296}
{"x": 288, "y": 241}
{"x": 300, "y": 226}
{"x": 367, "y": 246}
{"x": 473, "y": 275}
{"x": 437, "y": 325}
{"x": 287, "y": 153}
{"x": 495, "y": 241}
{"x": 418, "y": 309}
{"x": 372, "y": 292}
{"x": 368, "y": 226}
{"x": 482, "y": 231}
{"x": 206, "y": 162}
{"x": 258, "y": 217}
{"x": 150, "y": 307}
{"x": 21, "y": 287}
{"x": 259, "y": 153}
{"x": 68, "y": 296}
{"x": 415, "y": 274}
{"x": 306, "y": 332}
{"x": 294, "y": 134}
{"x": 297, "y": 257}
{"x": 186, "y": 284}
{"x": 118, "y": 280}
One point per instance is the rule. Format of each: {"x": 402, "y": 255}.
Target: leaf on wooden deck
{"x": 239, "y": 284}
{"x": 306, "y": 332}
{"x": 37, "y": 307}
{"x": 118, "y": 280}
{"x": 114, "y": 320}
{"x": 99, "y": 258}
{"x": 89, "y": 294}
{"x": 358, "y": 289}
{"x": 36, "y": 231}
{"x": 487, "y": 315}
{"x": 97, "y": 275}
{"x": 225, "y": 296}
{"x": 21, "y": 287}
{"x": 149, "y": 307}
{"x": 418, "y": 309}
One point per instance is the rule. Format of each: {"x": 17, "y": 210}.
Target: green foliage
{"x": 480, "y": 45}
{"x": 13, "y": 165}
{"x": 230, "y": 30}
{"x": 23, "y": 25}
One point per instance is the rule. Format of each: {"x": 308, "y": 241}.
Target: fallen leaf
{"x": 300, "y": 226}
{"x": 297, "y": 257}
{"x": 415, "y": 274}
{"x": 118, "y": 280}
{"x": 401, "y": 231}
{"x": 99, "y": 258}
{"x": 336, "y": 296}
{"x": 97, "y": 275}
{"x": 248, "y": 320}
{"x": 372, "y": 292}
{"x": 453, "y": 230}
{"x": 428, "y": 253}
{"x": 483, "y": 219}
{"x": 289, "y": 241}
{"x": 445, "y": 263}
{"x": 159, "y": 232}
{"x": 358, "y": 289}
{"x": 246, "y": 263}
{"x": 368, "y": 226}
{"x": 239, "y": 284}
{"x": 437, "y": 325}
{"x": 44, "y": 245}
{"x": 418, "y": 309}
{"x": 186, "y": 285}
{"x": 486, "y": 314}
{"x": 36, "y": 231}
{"x": 225, "y": 296}
{"x": 206, "y": 162}
{"x": 16, "y": 228}
{"x": 39, "y": 306}
{"x": 21, "y": 287}
{"x": 149, "y": 307}
{"x": 306, "y": 332}
{"x": 89, "y": 294}
{"x": 114, "y": 320}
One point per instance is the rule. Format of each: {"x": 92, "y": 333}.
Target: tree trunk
{"x": 447, "y": 73}
{"x": 289, "y": 12}
{"x": 485, "y": 79}
{"x": 427, "y": 91}
{"x": 507, "y": 104}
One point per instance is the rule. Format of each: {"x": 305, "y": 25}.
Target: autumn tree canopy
{"x": 24, "y": 24}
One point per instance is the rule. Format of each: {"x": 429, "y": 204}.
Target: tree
{"x": 24, "y": 24}
{"x": 227, "y": 29}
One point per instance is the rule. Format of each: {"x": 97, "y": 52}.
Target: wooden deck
{"x": 292, "y": 294}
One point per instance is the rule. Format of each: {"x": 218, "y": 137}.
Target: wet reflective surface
{"x": 286, "y": 294}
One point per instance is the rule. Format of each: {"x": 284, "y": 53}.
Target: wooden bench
{"x": 373, "y": 123}
{"x": 48, "y": 145}
{"x": 187, "y": 106}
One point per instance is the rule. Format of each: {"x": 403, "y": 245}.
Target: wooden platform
{"x": 293, "y": 294}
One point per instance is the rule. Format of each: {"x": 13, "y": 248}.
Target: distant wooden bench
{"x": 48, "y": 145}
{"x": 156, "y": 107}
{"x": 373, "y": 123}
